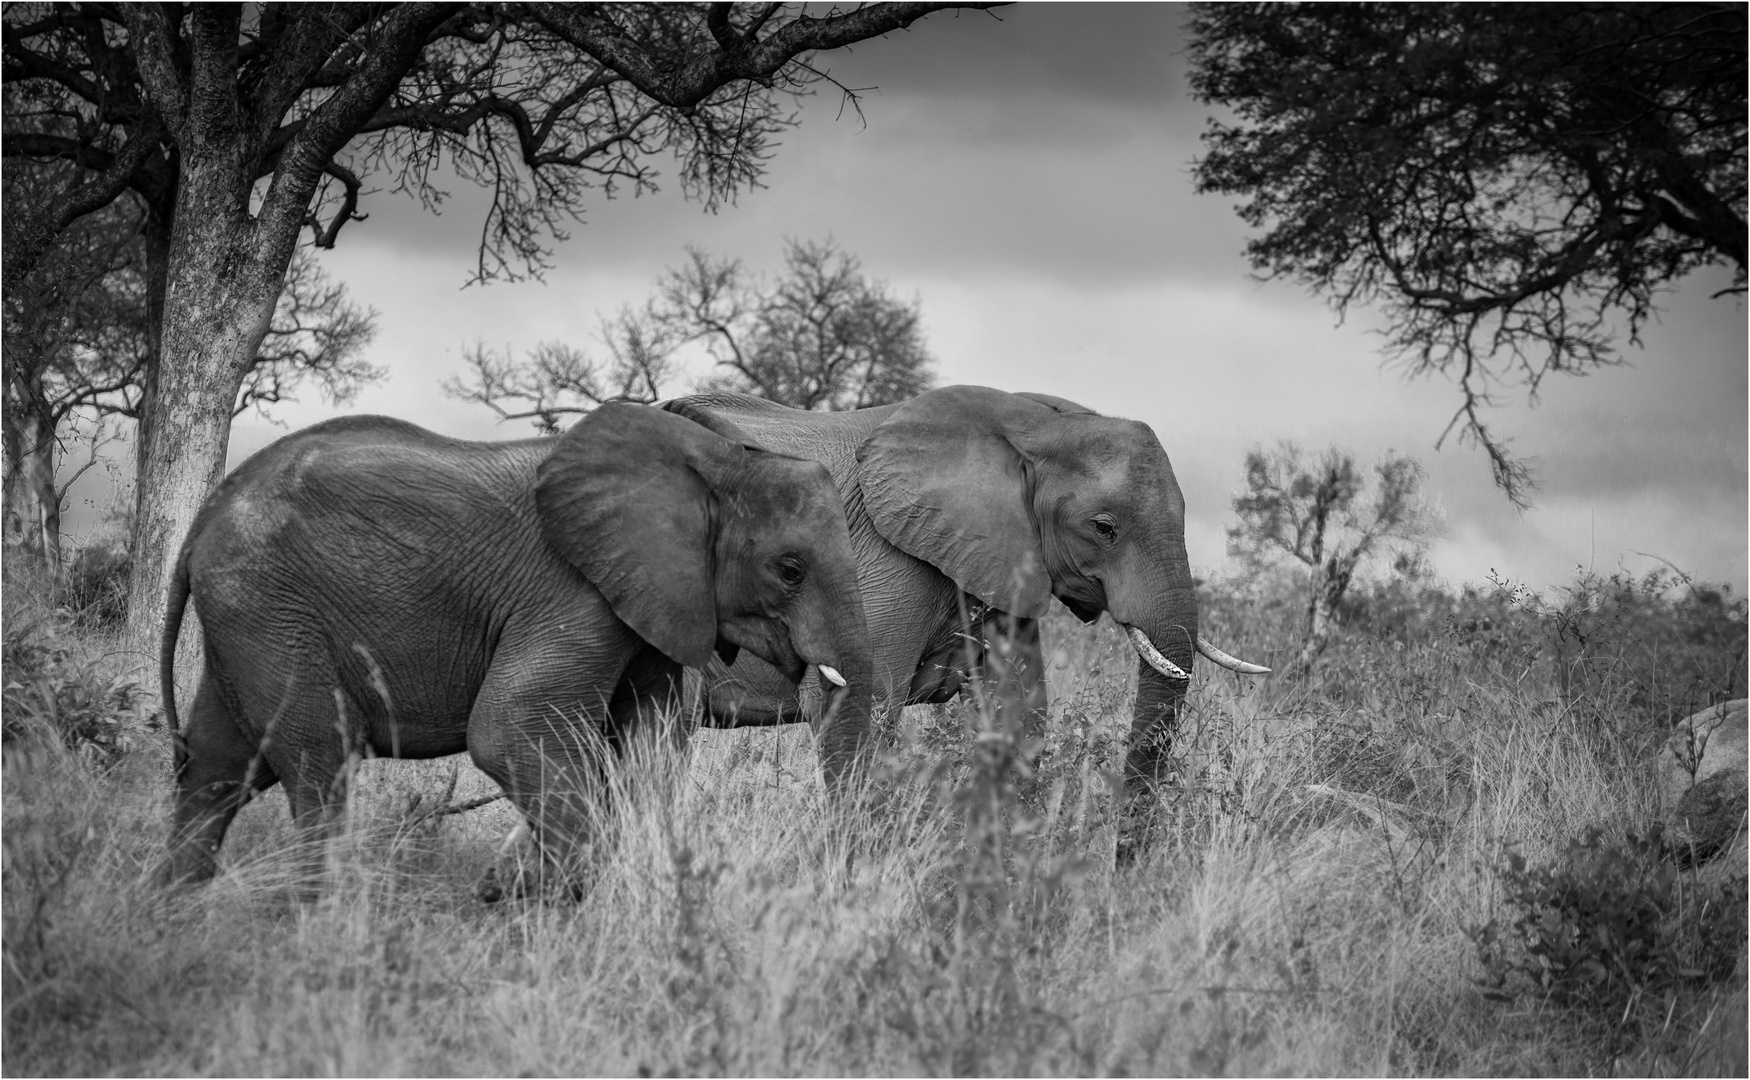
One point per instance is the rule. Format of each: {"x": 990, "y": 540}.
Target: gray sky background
{"x": 1027, "y": 178}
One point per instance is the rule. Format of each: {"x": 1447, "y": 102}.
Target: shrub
{"x": 1608, "y": 925}
{"x": 49, "y": 688}
{"x": 94, "y": 588}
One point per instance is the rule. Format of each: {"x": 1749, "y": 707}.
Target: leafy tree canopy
{"x": 1504, "y": 180}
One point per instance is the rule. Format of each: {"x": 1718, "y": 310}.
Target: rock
{"x": 1702, "y": 778}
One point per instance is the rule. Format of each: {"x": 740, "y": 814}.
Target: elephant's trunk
{"x": 1161, "y": 682}
{"x": 1158, "y": 699}
{"x": 1153, "y": 658}
{"x": 846, "y": 668}
{"x": 1165, "y": 642}
{"x": 842, "y": 732}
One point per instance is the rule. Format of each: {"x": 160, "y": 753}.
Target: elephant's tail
{"x": 175, "y": 604}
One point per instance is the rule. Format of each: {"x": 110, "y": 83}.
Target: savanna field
{"x": 1437, "y": 854}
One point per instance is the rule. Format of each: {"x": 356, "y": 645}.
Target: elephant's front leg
{"x": 551, "y": 762}
{"x": 539, "y": 727}
{"x": 649, "y": 704}
{"x": 1014, "y": 674}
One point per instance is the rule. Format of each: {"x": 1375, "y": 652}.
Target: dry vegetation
{"x": 1314, "y": 897}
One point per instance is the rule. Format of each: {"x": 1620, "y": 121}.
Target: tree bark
{"x": 219, "y": 302}
{"x": 160, "y": 215}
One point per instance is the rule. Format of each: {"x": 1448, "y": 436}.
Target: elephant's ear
{"x": 943, "y": 481}
{"x": 624, "y": 496}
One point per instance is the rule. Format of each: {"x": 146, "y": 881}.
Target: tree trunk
{"x": 160, "y": 214}
{"x": 32, "y": 509}
{"x": 217, "y": 307}
{"x": 1331, "y": 584}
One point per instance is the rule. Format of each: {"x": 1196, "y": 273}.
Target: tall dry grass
{"x": 1305, "y": 902}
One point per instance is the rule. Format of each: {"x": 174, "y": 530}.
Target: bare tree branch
{"x": 594, "y": 29}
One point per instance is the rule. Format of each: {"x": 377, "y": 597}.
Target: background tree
{"x": 67, "y": 338}
{"x": 1323, "y": 514}
{"x": 78, "y": 355}
{"x": 246, "y": 124}
{"x": 558, "y": 380}
{"x": 1505, "y": 180}
{"x": 824, "y": 336}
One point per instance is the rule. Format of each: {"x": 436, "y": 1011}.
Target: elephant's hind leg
{"x": 223, "y": 769}
{"x": 316, "y": 761}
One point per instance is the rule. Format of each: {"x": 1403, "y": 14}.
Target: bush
{"x": 94, "y": 588}
{"x": 50, "y": 689}
{"x": 1618, "y": 649}
{"x": 1608, "y": 926}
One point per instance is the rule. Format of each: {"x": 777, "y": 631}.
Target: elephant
{"x": 367, "y": 586}
{"x": 969, "y": 508}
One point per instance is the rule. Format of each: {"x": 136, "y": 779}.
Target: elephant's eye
{"x": 791, "y": 570}
{"x": 1105, "y": 528}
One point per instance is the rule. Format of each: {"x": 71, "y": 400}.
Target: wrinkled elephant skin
{"x": 969, "y": 508}
{"x": 368, "y": 587}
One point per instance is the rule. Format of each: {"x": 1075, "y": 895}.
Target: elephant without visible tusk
{"x": 1146, "y": 649}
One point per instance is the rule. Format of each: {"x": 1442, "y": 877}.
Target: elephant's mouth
{"x": 1153, "y": 658}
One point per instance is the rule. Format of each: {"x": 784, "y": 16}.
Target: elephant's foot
{"x": 525, "y": 883}
{"x": 500, "y": 881}
{"x": 521, "y": 872}
{"x": 187, "y": 867}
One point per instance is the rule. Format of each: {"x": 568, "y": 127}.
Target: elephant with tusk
{"x": 366, "y": 586}
{"x": 972, "y": 507}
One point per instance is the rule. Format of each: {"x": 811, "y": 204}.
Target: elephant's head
{"x": 1020, "y": 497}
{"x": 700, "y": 544}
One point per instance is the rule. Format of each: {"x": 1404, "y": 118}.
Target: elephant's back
{"x": 371, "y": 498}
{"x": 381, "y": 557}
{"x": 831, "y": 438}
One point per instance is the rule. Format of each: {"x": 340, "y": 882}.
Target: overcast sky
{"x": 1026, "y": 177}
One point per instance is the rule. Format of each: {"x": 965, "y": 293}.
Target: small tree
{"x": 1323, "y": 514}
{"x": 823, "y": 337}
{"x": 1505, "y": 180}
{"x": 558, "y": 380}
{"x": 78, "y": 356}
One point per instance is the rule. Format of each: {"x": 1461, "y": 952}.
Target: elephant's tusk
{"x": 1229, "y": 662}
{"x": 831, "y": 675}
{"x": 1152, "y": 656}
